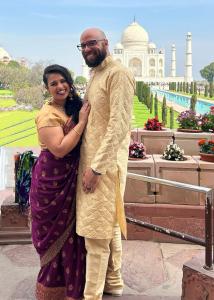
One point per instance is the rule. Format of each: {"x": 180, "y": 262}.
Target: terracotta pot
{"x": 207, "y": 157}
{"x": 189, "y": 130}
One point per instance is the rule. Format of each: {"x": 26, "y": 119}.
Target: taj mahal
{"x": 145, "y": 60}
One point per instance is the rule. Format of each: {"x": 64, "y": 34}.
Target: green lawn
{"x": 17, "y": 132}
{"x": 7, "y": 102}
{"x": 141, "y": 114}
{"x": 14, "y": 132}
{"x": 6, "y": 92}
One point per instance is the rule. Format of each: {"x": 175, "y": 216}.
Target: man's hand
{"x": 90, "y": 181}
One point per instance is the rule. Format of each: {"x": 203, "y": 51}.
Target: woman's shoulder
{"x": 48, "y": 116}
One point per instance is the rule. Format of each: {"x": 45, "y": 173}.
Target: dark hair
{"x": 73, "y": 102}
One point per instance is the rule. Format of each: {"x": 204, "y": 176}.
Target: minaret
{"x": 85, "y": 70}
{"x": 188, "y": 66}
{"x": 173, "y": 61}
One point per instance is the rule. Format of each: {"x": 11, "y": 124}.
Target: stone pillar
{"x": 197, "y": 283}
{"x": 173, "y": 61}
{"x": 188, "y": 66}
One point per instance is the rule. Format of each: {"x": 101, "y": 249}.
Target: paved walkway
{"x": 151, "y": 271}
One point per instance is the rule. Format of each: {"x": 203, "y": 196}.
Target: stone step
{"x": 14, "y": 236}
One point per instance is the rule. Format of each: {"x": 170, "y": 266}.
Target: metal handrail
{"x": 208, "y": 241}
{"x": 176, "y": 184}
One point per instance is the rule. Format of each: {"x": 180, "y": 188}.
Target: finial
{"x": 134, "y": 19}
{"x": 173, "y": 139}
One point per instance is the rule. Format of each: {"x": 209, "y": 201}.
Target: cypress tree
{"x": 187, "y": 87}
{"x": 211, "y": 90}
{"x": 171, "y": 117}
{"x": 140, "y": 91}
{"x": 193, "y": 102}
{"x": 151, "y": 103}
{"x": 164, "y": 111}
{"x": 184, "y": 87}
{"x": 206, "y": 91}
{"x": 191, "y": 88}
{"x": 156, "y": 105}
{"x": 178, "y": 87}
{"x": 137, "y": 89}
{"x": 195, "y": 88}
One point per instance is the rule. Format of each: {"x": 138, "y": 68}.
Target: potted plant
{"x": 206, "y": 150}
{"x": 189, "y": 121}
{"x": 207, "y": 122}
{"x": 137, "y": 151}
{"x": 153, "y": 124}
{"x": 173, "y": 152}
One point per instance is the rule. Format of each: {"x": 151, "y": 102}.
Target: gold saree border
{"x": 52, "y": 293}
{"x": 56, "y": 247}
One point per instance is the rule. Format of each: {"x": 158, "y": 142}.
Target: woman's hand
{"x": 84, "y": 112}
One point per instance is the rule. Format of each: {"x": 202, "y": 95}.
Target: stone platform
{"x": 151, "y": 271}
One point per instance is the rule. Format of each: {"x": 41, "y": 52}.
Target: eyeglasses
{"x": 89, "y": 44}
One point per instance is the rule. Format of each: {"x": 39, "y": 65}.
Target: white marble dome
{"x": 4, "y": 54}
{"x": 134, "y": 36}
{"x": 152, "y": 46}
{"x": 118, "y": 46}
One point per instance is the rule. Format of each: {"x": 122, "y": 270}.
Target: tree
{"x": 14, "y": 64}
{"x": 80, "y": 80}
{"x": 208, "y": 72}
{"x": 171, "y": 118}
{"x": 146, "y": 94}
{"x": 178, "y": 87}
{"x": 195, "y": 88}
{"x": 211, "y": 90}
{"x": 184, "y": 87}
{"x": 193, "y": 102}
{"x": 191, "y": 88}
{"x": 30, "y": 96}
{"x": 151, "y": 103}
{"x": 206, "y": 91}
{"x": 164, "y": 111}
{"x": 187, "y": 87}
{"x": 156, "y": 105}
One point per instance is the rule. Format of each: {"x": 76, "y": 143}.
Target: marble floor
{"x": 151, "y": 271}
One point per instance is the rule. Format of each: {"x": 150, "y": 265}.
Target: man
{"x": 103, "y": 165}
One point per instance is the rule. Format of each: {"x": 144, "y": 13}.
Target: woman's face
{"x": 58, "y": 87}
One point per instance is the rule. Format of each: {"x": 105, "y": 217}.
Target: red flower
{"x": 201, "y": 142}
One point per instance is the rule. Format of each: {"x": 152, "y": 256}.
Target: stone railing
{"x": 180, "y": 210}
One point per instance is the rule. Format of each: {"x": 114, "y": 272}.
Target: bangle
{"x": 76, "y": 132}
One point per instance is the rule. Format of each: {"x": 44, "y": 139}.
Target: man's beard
{"x": 98, "y": 58}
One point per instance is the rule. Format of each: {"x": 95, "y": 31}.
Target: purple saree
{"x": 61, "y": 250}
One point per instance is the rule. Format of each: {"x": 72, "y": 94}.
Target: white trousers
{"x": 103, "y": 266}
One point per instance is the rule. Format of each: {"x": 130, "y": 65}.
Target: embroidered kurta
{"x": 105, "y": 148}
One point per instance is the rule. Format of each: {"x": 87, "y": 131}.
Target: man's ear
{"x": 106, "y": 42}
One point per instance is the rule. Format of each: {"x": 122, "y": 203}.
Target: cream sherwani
{"x": 105, "y": 149}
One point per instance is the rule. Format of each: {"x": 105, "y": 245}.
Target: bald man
{"x": 103, "y": 165}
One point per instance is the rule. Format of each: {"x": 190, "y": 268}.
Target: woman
{"x": 60, "y": 124}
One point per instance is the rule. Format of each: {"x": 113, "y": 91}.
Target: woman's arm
{"x": 60, "y": 144}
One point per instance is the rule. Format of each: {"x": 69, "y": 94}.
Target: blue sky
{"x": 50, "y": 29}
